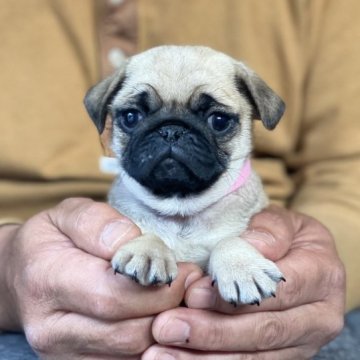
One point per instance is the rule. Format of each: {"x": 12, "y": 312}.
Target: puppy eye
{"x": 130, "y": 118}
{"x": 219, "y": 122}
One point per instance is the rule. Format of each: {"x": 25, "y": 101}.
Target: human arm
{"x": 62, "y": 292}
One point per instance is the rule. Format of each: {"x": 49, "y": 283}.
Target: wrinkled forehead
{"x": 180, "y": 73}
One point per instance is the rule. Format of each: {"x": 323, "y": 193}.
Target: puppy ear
{"x": 98, "y": 97}
{"x": 267, "y": 105}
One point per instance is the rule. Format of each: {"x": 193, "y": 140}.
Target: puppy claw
{"x": 117, "y": 271}
{"x": 213, "y": 282}
{"x": 275, "y": 275}
{"x": 259, "y": 289}
{"x": 134, "y": 277}
{"x": 233, "y": 303}
{"x": 155, "y": 280}
{"x": 169, "y": 281}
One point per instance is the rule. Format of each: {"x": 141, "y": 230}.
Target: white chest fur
{"x": 192, "y": 237}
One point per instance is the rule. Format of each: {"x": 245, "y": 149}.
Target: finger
{"x": 66, "y": 334}
{"x": 271, "y": 231}
{"x": 211, "y": 331}
{"x": 97, "y": 292}
{"x": 156, "y": 351}
{"x": 92, "y": 226}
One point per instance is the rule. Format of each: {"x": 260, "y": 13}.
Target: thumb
{"x": 94, "y": 227}
{"x": 271, "y": 231}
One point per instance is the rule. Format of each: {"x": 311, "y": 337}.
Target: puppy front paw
{"x": 243, "y": 275}
{"x": 146, "y": 260}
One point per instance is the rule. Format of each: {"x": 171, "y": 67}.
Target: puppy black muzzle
{"x": 173, "y": 159}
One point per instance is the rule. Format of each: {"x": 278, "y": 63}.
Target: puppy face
{"x": 182, "y": 117}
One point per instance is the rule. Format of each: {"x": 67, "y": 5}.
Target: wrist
{"x": 8, "y": 312}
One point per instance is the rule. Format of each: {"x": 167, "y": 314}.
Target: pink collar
{"x": 242, "y": 177}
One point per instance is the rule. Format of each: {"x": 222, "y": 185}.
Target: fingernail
{"x": 115, "y": 232}
{"x": 175, "y": 331}
{"x": 259, "y": 236}
{"x": 202, "y": 298}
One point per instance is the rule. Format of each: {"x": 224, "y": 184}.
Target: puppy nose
{"x": 172, "y": 133}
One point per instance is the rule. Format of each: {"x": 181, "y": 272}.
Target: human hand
{"x": 306, "y": 313}
{"x": 62, "y": 291}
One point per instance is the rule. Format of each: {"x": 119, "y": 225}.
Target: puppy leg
{"x": 242, "y": 274}
{"x": 146, "y": 260}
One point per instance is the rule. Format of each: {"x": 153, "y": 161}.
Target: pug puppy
{"x": 181, "y": 132}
